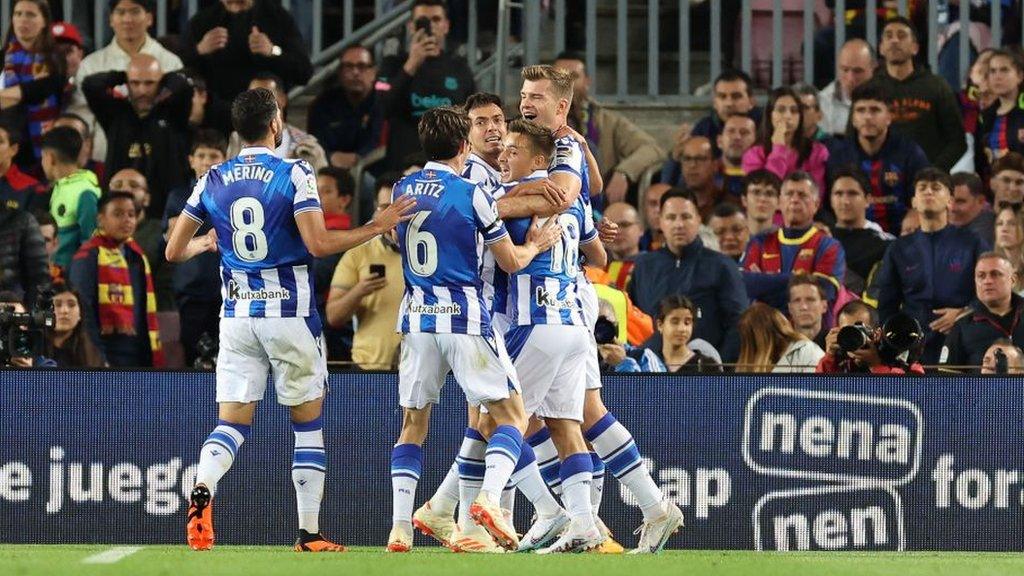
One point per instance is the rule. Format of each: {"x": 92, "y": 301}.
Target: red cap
{"x": 67, "y": 32}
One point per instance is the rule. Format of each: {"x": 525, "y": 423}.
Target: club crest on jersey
{"x": 891, "y": 178}
{"x": 235, "y": 292}
{"x": 546, "y": 299}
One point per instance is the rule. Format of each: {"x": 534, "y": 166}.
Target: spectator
{"x": 716, "y": 289}
{"x": 739, "y": 134}
{"x": 812, "y": 115}
{"x": 677, "y": 316}
{"x": 856, "y": 66}
{"x": 782, "y": 145}
{"x": 427, "y": 76}
{"x": 148, "y": 233}
{"x": 976, "y": 95}
{"x": 652, "y": 238}
{"x": 75, "y": 194}
{"x": 146, "y": 125}
{"x": 33, "y": 79}
{"x": 698, "y": 170}
{"x": 48, "y": 228}
{"x": 928, "y": 274}
{"x": 1014, "y": 358}
{"x": 112, "y": 275}
{"x": 622, "y": 251}
{"x": 23, "y": 263}
{"x": 229, "y": 42}
{"x": 995, "y": 313}
{"x": 635, "y": 326}
{"x": 730, "y": 227}
{"x": 1009, "y": 241}
{"x": 925, "y": 108}
{"x": 761, "y": 200}
{"x": 1007, "y": 181}
{"x": 348, "y": 120}
{"x": 732, "y": 94}
{"x": 864, "y": 244}
{"x": 68, "y": 41}
{"x": 17, "y": 189}
{"x": 808, "y": 308}
{"x": 1001, "y": 126}
{"x": 888, "y": 158}
{"x": 622, "y": 149}
{"x": 130, "y": 21}
{"x": 85, "y": 156}
{"x": 370, "y": 298}
{"x": 336, "y": 188}
{"x": 615, "y": 354}
{"x": 797, "y": 248}
{"x": 295, "y": 143}
{"x": 969, "y": 209}
{"x": 873, "y": 357}
{"x": 12, "y": 302}
{"x": 206, "y": 112}
{"x": 68, "y": 344}
{"x": 768, "y": 343}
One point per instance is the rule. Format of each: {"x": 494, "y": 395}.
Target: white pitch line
{"x": 112, "y": 555}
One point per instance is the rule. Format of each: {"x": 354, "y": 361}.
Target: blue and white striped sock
{"x": 597, "y": 486}
{"x": 547, "y": 459}
{"x": 616, "y": 447}
{"x": 218, "y": 452}
{"x": 471, "y": 473}
{"x": 527, "y": 479}
{"x": 502, "y": 454}
{"x": 577, "y": 472}
{"x": 406, "y": 466}
{"x": 309, "y": 468}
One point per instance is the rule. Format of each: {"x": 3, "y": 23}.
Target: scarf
{"x": 22, "y": 66}
{"x": 115, "y": 295}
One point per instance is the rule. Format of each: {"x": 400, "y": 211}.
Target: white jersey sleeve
{"x": 194, "y": 208}
{"x": 307, "y": 198}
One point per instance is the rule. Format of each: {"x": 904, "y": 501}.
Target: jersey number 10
{"x": 566, "y": 254}
{"x": 248, "y": 239}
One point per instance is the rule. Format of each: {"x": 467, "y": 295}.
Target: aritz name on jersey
{"x": 433, "y": 189}
{"x": 545, "y": 298}
{"x": 452, "y": 309}
{"x": 235, "y": 292}
{"x": 246, "y": 172}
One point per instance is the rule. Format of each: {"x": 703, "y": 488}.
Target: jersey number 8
{"x": 420, "y": 247}
{"x": 248, "y": 240}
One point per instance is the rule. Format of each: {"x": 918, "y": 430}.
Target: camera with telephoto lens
{"x": 22, "y": 334}
{"x": 206, "y": 352}
{"x": 854, "y": 337}
{"x": 605, "y": 331}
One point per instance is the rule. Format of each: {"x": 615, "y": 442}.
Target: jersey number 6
{"x": 420, "y": 247}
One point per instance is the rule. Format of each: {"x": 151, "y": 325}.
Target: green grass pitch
{"x": 30, "y": 560}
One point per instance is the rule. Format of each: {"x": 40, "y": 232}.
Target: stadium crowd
{"x": 889, "y": 201}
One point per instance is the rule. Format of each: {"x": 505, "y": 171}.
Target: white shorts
{"x": 480, "y": 365}
{"x": 289, "y": 349}
{"x": 588, "y": 304}
{"x": 551, "y": 363}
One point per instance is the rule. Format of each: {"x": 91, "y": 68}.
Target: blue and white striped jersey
{"x": 480, "y": 172}
{"x": 544, "y": 292}
{"x": 442, "y": 249}
{"x": 251, "y": 200}
{"x": 570, "y": 157}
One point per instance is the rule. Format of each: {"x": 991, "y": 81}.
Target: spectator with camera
{"x": 995, "y": 313}
{"x": 429, "y": 75}
{"x": 856, "y": 344}
{"x": 1003, "y": 357}
{"x": 929, "y": 274}
{"x": 617, "y": 355}
{"x": 21, "y": 335}
{"x": 113, "y": 277}
{"x": 685, "y": 266}
{"x": 68, "y": 343}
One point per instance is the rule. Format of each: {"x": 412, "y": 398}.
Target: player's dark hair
{"x": 762, "y": 177}
{"x": 112, "y": 196}
{"x": 673, "y": 302}
{"x": 480, "y": 99}
{"x": 442, "y": 132}
{"x": 541, "y": 140}
{"x": 65, "y": 142}
{"x": 731, "y": 75}
{"x": 208, "y": 138}
{"x": 252, "y": 112}
{"x": 853, "y": 172}
{"x": 342, "y": 177}
{"x": 932, "y": 174}
{"x": 677, "y": 192}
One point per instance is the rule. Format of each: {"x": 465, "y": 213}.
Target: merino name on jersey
{"x": 251, "y": 201}
{"x": 442, "y": 252}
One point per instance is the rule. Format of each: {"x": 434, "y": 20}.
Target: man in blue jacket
{"x": 929, "y": 274}
{"x": 684, "y": 266}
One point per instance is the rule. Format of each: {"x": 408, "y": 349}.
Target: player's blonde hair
{"x": 561, "y": 80}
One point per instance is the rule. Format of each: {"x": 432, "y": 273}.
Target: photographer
{"x": 20, "y": 345}
{"x": 616, "y": 356}
{"x": 1003, "y": 357}
{"x": 858, "y": 345}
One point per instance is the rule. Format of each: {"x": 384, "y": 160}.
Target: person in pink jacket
{"x": 782, "y": 146}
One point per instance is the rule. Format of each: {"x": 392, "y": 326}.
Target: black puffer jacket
{"x": 24, "y": 267}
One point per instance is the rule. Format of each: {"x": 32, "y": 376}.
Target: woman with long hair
{"x": 33, "y": 79}
{"x": 1010, "y": 242}
{"x": 68, "y": 343}
{"x": 769, "y": 343}
{"x": 783, "y": 146}
{"x": 677, "y": 316}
